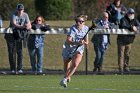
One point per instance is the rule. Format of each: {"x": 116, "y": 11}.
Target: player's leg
{"x": 75, "y": 63}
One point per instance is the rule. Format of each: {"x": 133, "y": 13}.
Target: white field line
{"x": 97, "y": 89}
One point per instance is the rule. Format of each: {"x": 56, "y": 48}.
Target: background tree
{"x": 54, "y": 9}
{"x": 94, "y": 8}
{"x": 62, "y": 9}
{"x": 9, "y": 6}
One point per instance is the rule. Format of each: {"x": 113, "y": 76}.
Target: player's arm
{"x": 86, "y": 41}
{"x": 70, "y": 41}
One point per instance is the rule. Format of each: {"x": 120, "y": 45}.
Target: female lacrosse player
{"x": 72, "y": 54}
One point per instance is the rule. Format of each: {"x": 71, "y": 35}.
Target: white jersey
{"x": 68, "y": 49}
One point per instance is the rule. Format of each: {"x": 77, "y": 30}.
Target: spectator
{"x": 100, "y": 42}
{"x": 70, "y": 51}
{"x": 36, "y": 46}
{"x": 116, "y": 11}
{"x": 19, "y": 20}
{"x": 1, "y": 22}
{"x": 124, "y": 42}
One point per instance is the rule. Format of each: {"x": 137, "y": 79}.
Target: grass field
{"x": 78, "y": 84}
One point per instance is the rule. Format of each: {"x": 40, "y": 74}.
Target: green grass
{"x": 78, "y": 84}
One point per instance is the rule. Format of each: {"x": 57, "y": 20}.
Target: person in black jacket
{"x": 124, "y": 42}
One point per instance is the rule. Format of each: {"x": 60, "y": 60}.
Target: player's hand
{"x": 81, "y": 42}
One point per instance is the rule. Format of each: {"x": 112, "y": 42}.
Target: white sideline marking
{"x": 100, "y": 89}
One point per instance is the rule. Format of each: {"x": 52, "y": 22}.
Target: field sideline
{"x": 78, "y": 84}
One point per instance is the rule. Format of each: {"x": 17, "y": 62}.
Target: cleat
{"x": 63, "y": 83}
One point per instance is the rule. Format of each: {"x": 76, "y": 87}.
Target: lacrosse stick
{"x": 90, "y": 28}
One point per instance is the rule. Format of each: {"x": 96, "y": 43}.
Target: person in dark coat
{"x": 124, "y": 42}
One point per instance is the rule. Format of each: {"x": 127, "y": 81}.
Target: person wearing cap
{"x": 124, "y": 42}
{"x": 18, "y": 20}
{"x": 116, "y": 11}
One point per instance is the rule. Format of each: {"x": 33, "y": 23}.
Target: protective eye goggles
{"x": 80, "y": 21}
